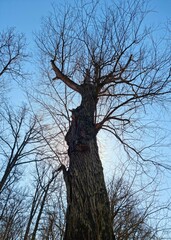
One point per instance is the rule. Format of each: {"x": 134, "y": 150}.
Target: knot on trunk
{"x": 81, "y": 131}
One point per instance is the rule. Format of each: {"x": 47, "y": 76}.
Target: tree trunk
{"x": 88, "y": 213}
{"x": 5, "y": 177}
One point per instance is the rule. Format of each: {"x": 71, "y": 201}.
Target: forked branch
{"x": 64, "y": 78}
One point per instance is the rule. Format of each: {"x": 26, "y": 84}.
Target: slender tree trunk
{"x": 39, "y": 214}
{"x": 5, "y": 177}
{"x": 88, "y": 214}
{"x": 34, "y": 206}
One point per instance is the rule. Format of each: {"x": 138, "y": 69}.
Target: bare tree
{"x": 130, "y": 217}
{"x": 13, "y": 202}
{"x": 12, "y": 53}
{"x": 45, "y": 183}
{"x": 20, "y": 140}
{"x": 111, "y": 60}
{"x": 12, "y": 58}
{"x": 53, "y": 220}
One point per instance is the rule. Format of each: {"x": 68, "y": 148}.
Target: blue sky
{"x": 26, "y": 15}
{"x": 162, "y": 7}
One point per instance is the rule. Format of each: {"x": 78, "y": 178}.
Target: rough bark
{"x": 88, "y": 213}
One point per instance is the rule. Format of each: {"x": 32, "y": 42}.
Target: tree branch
{"x": 64, "y": 78}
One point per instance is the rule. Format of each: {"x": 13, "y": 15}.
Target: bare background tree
{"x": 12, "y": 53}
{"x": 20, "y": 143}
